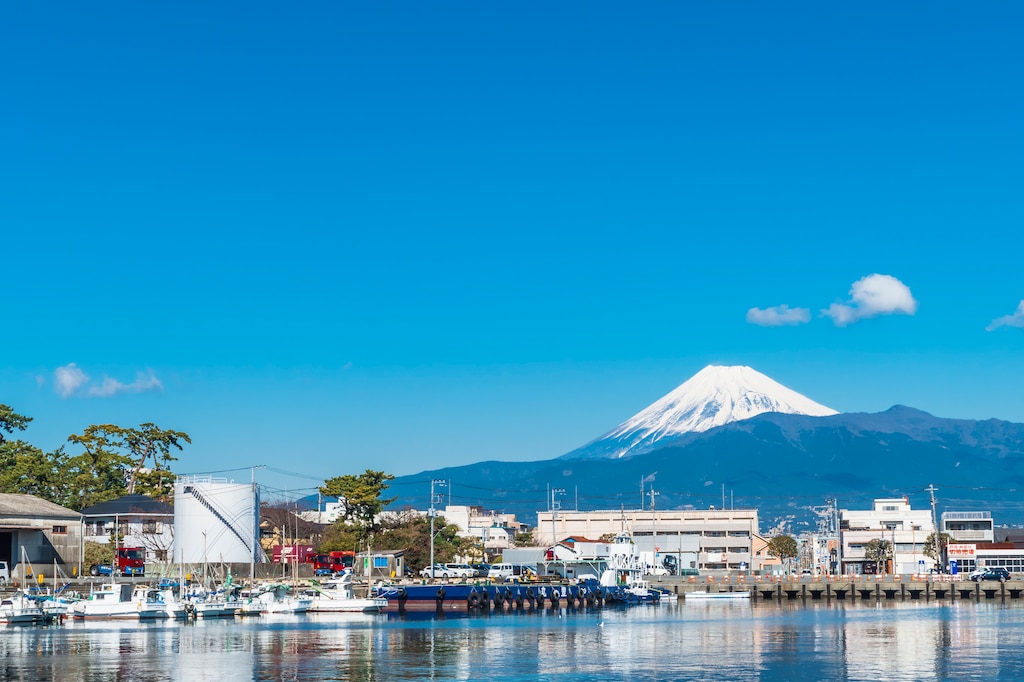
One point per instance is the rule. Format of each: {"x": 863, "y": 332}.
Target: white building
{"x": 893, "y": 521}
{"x": 494, "y": 530}
{"x": 973, "y": 526}
{"x": 138, "y": 520}
{"x": 705, "y": 539}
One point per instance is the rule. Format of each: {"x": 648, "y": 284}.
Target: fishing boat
{"x": 120, "y": 601}
{"x": 274, "y": 598}
{"x": 337, "y": 596}
{"x": 19, "y": 609}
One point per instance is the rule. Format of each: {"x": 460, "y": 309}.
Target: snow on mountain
{"x": 712, "y": 397}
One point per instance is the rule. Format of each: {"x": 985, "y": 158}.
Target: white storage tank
{"x": 216, "y": 520}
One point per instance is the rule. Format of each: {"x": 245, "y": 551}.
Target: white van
{"x": 5, "y": 573}
{"x": 513, "y": 572}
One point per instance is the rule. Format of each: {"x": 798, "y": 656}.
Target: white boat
{"x": 20, "y": 610}
{"x": 716, "y": 595}
{"x": 336, "y": 596}
{"x": 117, "y": 601}
{"x": 274, "y": 599}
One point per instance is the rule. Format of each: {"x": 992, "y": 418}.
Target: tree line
{"x": 108, "y": 462}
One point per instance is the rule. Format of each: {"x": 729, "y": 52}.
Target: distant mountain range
{"x": 733, "y": 436}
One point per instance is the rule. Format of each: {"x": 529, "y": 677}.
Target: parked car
{"x": 435, "y": 571}
{"x": 460, "y": 571}
{"x": 481, "y": 570}
{"x": 5, "y": 573}
{"x": 994, "y": 573}
{"x": 448, "y": 571}
{"x": 513, "y": 572}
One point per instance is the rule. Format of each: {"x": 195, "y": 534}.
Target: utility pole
{"x": 940, "y": 549}
{"x": 434, "y": 499}
{"x": 555, "y": 504}
{"x": 654, "y": 529}
{"x": 255, "y": 537}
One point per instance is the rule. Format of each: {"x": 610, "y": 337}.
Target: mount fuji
{"x": 714, "y": 396}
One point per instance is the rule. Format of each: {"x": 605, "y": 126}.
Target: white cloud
{"x": 1014, "y": 320}
{"x": 872, "y": 296}
{"x": 143, "y": 382}
{"x": 68, "y": 379}
{"x": 778, "y": 315}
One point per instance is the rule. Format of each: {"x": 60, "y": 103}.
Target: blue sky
{"x": 403, "y": 236}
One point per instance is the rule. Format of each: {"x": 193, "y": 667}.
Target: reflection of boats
{"x": 336, "y": 596}
{"x": 121, "y": 601}
{"x": 701, "y": 596}
{"x": 20, "y": 609}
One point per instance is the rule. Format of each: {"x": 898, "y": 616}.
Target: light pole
{"x": 554, "y": 512}
{"x": 434, "y": 499}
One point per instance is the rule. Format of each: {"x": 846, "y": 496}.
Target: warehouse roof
{"x": 16, "y": 504}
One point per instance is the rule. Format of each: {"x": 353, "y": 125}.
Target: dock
{"x": 850, "y": 588}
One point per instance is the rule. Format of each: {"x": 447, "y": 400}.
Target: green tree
{"x": 878, "y": 552}
{"x": 525, "y": 539}
{"x": 360, "y": 498}
{"x": 782, "y": 547}
{"x": 11, "y": 421}
{"x": 934, "y": 545}
{"x": 135, "y": 448}
{"x": 26, "y": 469}
{"x": 411, "y": 532}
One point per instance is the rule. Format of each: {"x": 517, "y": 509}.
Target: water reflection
{"x": 702, "y": 640}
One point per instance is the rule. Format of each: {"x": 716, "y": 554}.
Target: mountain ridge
{"x": 714, "y": 396}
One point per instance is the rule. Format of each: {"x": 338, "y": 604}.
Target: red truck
{"x": 127, "y": 561}
{"x": 329, "y": 564}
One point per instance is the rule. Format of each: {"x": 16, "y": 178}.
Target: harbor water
{"x": 713, "y": 640}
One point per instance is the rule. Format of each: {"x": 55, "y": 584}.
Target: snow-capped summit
{"x": 711, "y": 397}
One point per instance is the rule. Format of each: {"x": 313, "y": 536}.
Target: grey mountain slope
{"x": 781, "y": 464}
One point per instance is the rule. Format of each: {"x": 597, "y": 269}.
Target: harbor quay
{"x": 850, "y": 588}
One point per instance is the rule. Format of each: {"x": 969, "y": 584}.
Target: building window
{"x": 60, "y": 530}
{"x": 161, "y": 554}
{"x": 152, "y": 528}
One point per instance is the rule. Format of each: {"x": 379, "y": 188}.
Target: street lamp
{"x": 434, "y": 499}
{"x": 554, "y": 512}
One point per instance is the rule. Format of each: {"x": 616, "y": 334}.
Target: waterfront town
{"x": 216, "y": 522}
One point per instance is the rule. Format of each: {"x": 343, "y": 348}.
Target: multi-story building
{"x": 708, "y": 540}
{"x": 973, "y": 526}
{"x": 893, "y": 521}
{"x": 495, "y": 531}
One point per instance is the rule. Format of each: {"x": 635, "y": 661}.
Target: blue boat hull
{"x": 486, "y": 597}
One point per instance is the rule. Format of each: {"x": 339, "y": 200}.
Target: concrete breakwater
{"x": 851, "y": 588}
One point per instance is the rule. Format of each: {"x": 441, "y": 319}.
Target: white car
{"x": 448, "y": 571}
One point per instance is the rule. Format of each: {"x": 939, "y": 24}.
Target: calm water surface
{"x": 699, "y": 641}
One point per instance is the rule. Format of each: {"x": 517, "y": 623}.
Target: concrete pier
{"x": 851, "y": 588}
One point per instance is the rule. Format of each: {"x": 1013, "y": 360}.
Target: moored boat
{"x": 337, "y": 596}
{"x": 18, "y": 609}
{"x": 120, "y": 601}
